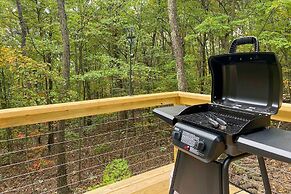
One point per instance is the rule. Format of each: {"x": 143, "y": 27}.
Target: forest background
{"x": 119, "y": 48}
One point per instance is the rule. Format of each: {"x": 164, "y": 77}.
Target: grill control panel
{"x": 198, "y": 143}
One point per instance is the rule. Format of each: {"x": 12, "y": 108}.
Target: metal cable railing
{"x": 141, "y": 141}
{"x": 93, "y": 167}
{"x": 245, "y": 173}
{"x": 83, "y": 159}
{"x": 70, "y": 141}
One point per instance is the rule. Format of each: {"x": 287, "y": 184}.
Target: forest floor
{"x": 245, "y": 174}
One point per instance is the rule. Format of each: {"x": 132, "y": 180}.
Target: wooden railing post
{"x": 178, "y": 102}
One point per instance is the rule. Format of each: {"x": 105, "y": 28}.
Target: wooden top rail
{"x": 55, "y": 112}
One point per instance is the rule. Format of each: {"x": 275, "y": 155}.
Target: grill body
{"x": 196, "y": 135}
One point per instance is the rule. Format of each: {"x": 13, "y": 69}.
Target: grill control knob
{"x": 176, "y": 135}
{"x": 200, "y": 146}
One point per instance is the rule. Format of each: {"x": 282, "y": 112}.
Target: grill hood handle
{"x": 244, "y": 40}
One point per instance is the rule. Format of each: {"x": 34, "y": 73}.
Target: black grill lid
{"x": 250, "y": 81}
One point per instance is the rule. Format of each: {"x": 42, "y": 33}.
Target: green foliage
{"x": 4, "y": 160}
{"x": 214, "y": 24}
{"x": 23, "y": 79}
{"x": 71, "y": 135}
{"x": 276, "y": 39}
{"x": 99, "y": 46}
{"x": 164, "y": 134}
{"x": 99, "y": 149}
{"x": 115, "y": 171}
{"x": 163, "y": 149}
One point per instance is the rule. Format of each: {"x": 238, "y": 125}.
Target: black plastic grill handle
{"x": 244, "y": 40}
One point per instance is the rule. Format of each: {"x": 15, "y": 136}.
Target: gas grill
{"x": 224, "y": 120}
{"x": 246, "y": 91}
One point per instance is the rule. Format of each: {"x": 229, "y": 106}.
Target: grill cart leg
{"x": 264, "y": 174}
{"x": 172, "y": 190}
{"x": 225, "y": 175}
{"x": 225, "y": 167}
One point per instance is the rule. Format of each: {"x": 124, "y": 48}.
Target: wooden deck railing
{"x": 40, "y": 114}
{"x": 55, "y": 112}
{"x": 45, "y": 113}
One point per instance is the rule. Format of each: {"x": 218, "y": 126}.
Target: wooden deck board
{"x": 242, "y": 192}
{"x": 152, "y": 182}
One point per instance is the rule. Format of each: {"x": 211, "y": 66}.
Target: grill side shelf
{"x": 168, "y": 113}
{"x": 272, "y": 143}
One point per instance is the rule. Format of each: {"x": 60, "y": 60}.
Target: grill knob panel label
{"x": 190, "y": 139}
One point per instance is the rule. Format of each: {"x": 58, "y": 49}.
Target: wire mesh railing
{"x": 98, "y": 150}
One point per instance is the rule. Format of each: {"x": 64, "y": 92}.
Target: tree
{"x": 62, "y": 182}
{"x": 177, "y": 44}
{"x": 22, "y": 26}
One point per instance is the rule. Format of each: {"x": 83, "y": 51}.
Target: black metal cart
{"x": 246, "y": 91}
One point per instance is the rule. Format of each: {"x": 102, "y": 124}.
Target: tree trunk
{"x": 49, "y": 87}
{"x": 177, "y": 44}
{"x": 49, "y": 101}
{"x": 60, "y": 136}
{"x": 62, "y": 182}
{"x": 22, "y": 26}
{"x": 66, "y": 44}
{"x": 202, "y": 67}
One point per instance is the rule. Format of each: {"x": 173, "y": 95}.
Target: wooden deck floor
{"x": 152, "y": 182}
